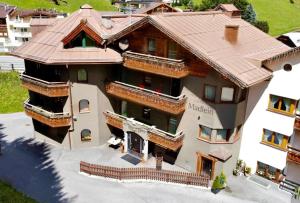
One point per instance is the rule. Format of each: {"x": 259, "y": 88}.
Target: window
{"x": 268, "y": 171}
{"x": 86, "y": 135}
{"x": 223, "y": 135}
{"x": 281, "y": 104}
{"x": 274, "y": 139}
{"x": 287, "y": 67}
{"x": 84, "y": 106}
{"x": 82, "y": 75}
{"x": 172, "y": 125}
{"x": 227, "y": 94}
{"x": 172, "y": 50}
{"x": 205, "y": 133}
{"x": 151, "y": 45}
{"x": 146, "y": 113}
{"x": 210, "y": 92}
{"x": 81, "y": 40}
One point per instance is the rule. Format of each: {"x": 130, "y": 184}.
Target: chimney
{"x": 231, "y": 33}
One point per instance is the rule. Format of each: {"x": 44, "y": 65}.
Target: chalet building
{"x": 175, "y": 84}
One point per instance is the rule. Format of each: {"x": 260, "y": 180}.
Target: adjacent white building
{"x": 270, "y": 116}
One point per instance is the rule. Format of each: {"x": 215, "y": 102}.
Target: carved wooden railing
{"x": 46, "y": 117}
{"x": 163, "y": 102}
{"x": 293, "y": 154}
{"x": 155, "y": 135}
{"x": 50, "y": 89}
{"x": 155, "y": 64}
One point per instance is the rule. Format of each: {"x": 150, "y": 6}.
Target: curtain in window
{"x": 206, "y": 132}
{"x": 210, "y": 92}
{"x": 268, "y": 136}
{"x": 275, "y": 102}
{"x": 222, "y": 135}
{"x": 286, "y": 104}
{"x": 278, "y": 138}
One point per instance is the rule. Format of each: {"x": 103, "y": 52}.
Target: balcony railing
{"x": 46, "y": 117}
{"x": 50, "y": 89}
{"x": 297, "y": 123}
{"x": 157, "y": 136}
{"x": 293, "y": 155}
{"x": 155, "y": 64}
{"x": 163, "y": 102}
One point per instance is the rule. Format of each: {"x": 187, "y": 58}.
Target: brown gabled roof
{"x": 153, "y": 6}
{"x": 202, "y": 33}
{"x": 226, "y": 7}
{"x": 6, "y": 10}
{"x": 47, "y": 47}
{"x": 34, "y": 12}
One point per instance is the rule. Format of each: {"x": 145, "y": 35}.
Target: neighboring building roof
{"x": 152, "y": 7}
{"x": 43, "y": 21}
{"x": 226, "y": 7}
{"x": 5, "y": 10}
{"x": 22, "y": 13}
{"x": 293, "y": 37}
{"x": 202, "y": 33}
{"x": 47, "y": 47}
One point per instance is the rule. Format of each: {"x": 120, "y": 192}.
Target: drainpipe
{"x": 71, "y": 108}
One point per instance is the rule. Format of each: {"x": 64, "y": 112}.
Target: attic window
{"x": 81, "y": 40}
{"x": 287, "y": 67}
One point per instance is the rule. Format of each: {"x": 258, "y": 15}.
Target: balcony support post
{"x": 125, "y": 142}
{"x": 145, "y": 150}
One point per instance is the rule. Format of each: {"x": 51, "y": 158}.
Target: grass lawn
{"x": 9, "y": 194}
{"x": 12, "y": 95}
{"x": 70, "y": 6}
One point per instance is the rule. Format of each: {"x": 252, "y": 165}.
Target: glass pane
{"x": 285, "y": 105}
{"x": 206, "y": 132}
{"x": 275, "y": 102}
{"x": 151, "y": 45}
{"x": 82, "y": 75}
{"x": 227, "y": 94}
{"x": 172, "y": 50}
{"x": 85, "y": 135}
{"x": 83, "y": 105}
{"x": 210, "y": 92}
{"x": 222, "y": 135}
{"x": 278, "y": 139}
{"x": 124, "y": 108}
{"x": 172, "y": 125}
{"x": 268, "y": 136}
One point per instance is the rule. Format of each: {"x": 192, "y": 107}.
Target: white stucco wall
{"x": 283, "y": 84}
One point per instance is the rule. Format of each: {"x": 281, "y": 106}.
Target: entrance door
{"x": 206, "y": 167}
{"x": 135, "y": 144}
{"x": 175, "y": 87}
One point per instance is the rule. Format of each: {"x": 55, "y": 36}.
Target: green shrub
{"x": 247, "y": 170}
{"x": 223, "y": 179}
{"x": 219, "y": 182}
{"x": 262, "y": 25}
{"x": 297, "y": 193}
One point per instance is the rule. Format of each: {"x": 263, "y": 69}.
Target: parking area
{"x": 51, "y": 174}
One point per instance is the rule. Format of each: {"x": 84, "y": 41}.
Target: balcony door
{"x": 175, "y": 87}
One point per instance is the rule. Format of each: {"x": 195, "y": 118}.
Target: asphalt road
{"x": 51, "y": 174}
{"x": 9, "y": 62}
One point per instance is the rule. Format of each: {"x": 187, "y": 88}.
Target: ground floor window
{"x": 86, "y": 135}
{"x": 268, "y": 171}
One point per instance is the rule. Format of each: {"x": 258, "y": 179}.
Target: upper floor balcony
{"x": 155, "y": 135}
{"x": 156, "y": 65}
{"x": 20, "y": 34}
{"x": 163, "y": 102}
{"x": 297, "y": 123}
{"x": 293, "y": 155}
{"x": 54, "y": 120}
{"x": 50, "y": 89}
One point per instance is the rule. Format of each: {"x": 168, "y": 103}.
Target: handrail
{"x": 292, "y": 149}
{"x": 42, "y": 82}
{"x": 150, "y": 91}
{"x": 152, "y": 129}
{"x": 154, "y": 57}
{"x": 44, "y": 112}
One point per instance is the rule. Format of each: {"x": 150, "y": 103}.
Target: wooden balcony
{"x": 51, "y": 119}
{"x": 293, "y": 155}
{"x": 50, "y": 89}
{"x": 154, "y": 64}
{"x": 157, "y": 136}
{"x": 163, "y": 102}
{"x": 297, "y": 123}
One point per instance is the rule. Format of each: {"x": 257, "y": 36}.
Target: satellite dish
{"x": 124, "y": 44}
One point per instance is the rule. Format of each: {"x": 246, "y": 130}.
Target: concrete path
{"x": 51, "y": 174}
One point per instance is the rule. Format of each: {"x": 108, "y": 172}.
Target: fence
{"x": 144, "y": 173}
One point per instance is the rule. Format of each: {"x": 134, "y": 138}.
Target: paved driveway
{"x": 50, "y": 174}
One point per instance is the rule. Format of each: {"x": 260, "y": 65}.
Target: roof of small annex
{"x": 47, "y": 47}
{"x": 227, "y": 7}
{"x": 153, "y": 6}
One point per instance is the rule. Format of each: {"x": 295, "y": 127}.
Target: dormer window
{"x": 81, "y": 40}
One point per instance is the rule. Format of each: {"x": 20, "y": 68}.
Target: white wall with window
{"x": 270, "y": 112}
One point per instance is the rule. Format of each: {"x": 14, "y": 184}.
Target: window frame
{"x": 90, "y": 136}
{"x": 233, "y": 95}
{"x": 292, "y": 110}
{"x": 282, "y": 146}
{"x": 204, "y": 95}
{"x": 153, "y": 50}
{"x": 228, "y": 135}
{"x": 84, "y": 111}
{"x": 175, "y": 52}
{"x": 202, "y": 137}
{"x": 87, "y": 76}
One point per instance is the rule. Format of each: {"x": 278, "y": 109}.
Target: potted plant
{"x": 247, "y": 170}
{"x": 236, "y": 172}
{"x": 219, "y": 183}
{"x": 297, "y": 193}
